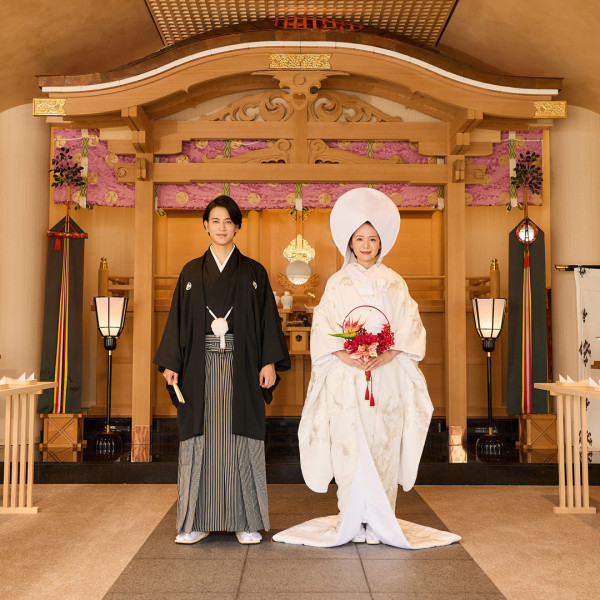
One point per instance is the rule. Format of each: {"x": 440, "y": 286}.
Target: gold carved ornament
{"x": 550, "y": 109}
{"x": 311, "y": 62}
{"x": 302, "y": 214}
{"x": 49, "y": 107}
{"x": 299, "y": 249}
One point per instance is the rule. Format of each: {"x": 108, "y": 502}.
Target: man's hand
{"x": 266, "y": 377}
{"x": 170, "y": 376}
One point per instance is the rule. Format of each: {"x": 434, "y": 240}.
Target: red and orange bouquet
{"x": 364, "y": 345}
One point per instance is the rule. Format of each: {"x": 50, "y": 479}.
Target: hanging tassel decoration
{"x": 367, "y": 396}
{"x": 57, "y": 245}
{"x": 220, "y": 327}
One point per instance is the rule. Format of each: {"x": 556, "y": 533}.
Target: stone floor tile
{"x": 161, "y": 544}
{"x": 216, "y": 545}
{"x": 283, "y": 520}
{"x": 278, "y": 550}
{"x": 171, "y": 596}
{"x": 448, "y": 595}
{"x": 382, "y": 552}
{"x": 304, "y": 596}
{"x": 166, "y": 576}
{"x": 298, "y": 492}
{"x": 441, "y": 577}
{"x": 307, "y": 575}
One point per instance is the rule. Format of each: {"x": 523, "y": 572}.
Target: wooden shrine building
{"x": 321, "y": 108}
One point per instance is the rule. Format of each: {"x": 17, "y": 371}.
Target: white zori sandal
{"x": 190, "y": 538}
{"x": 248, "y": 537}
{"x": 370, "y": 536}
{"x": 361, "y": 536}
{"x": 366, "y": 534}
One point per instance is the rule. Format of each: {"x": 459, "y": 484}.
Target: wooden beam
{"x": 456, "y": 340}
{"x": 501, "y": 124}
{"x": 135, "y": 117}
{"x": 485, "y": 136}
{"x": 186, "y": 98}
{"x": 441, "y": 148}
{"x": 181, "y": 173}
{"x": 458, "y": 170}
{"x": 465, "y": 121}
{"x": 381, "y": 131}
{"x": 460, "y": 128}
{"x": 426, "y": 148}
{"x": 122, "y": 147}
{"x": 142, "y": 388}
{"x": 141, "y": 128}
{"x": 141, "y": 168}
{"x": 459, "y": 143}
{"x": 143, "y": 319}
{"x": 169, "y": 135}
{"x": 300, "y": 140}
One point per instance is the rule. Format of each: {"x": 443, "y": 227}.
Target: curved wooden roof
{"x": 262, "y": 31}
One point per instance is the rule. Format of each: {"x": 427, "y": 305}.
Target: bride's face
{"x": 365, "y": 244}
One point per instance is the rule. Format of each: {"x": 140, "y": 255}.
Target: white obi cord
{"x": 219, "y": 326}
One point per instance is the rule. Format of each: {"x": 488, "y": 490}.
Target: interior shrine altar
{"x": 285, "y": 128}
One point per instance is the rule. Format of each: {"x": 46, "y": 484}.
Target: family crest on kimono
{"x": 220, "y": 352}
{"x": 367, "y": 413}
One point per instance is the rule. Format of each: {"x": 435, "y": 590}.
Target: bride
{"x": 366, "y": 415}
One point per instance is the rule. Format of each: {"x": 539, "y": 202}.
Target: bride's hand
{"x": 381, "y": 359}
{"x": 353, "y": 362}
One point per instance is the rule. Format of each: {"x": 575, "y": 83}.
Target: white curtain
{"x": 587, "y": 286}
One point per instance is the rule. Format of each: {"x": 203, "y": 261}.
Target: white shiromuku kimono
{"x": 368, "y": 449}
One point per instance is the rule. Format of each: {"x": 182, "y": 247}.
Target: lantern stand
{"x": 110, "y": 317}
{"x": 488, "y": 314}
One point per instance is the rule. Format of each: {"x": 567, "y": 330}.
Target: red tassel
{"x": 57, "y": 245}
{"x": 367, "y": 392}
{"x": 372, "y": 403}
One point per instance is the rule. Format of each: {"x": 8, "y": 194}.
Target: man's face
{"x": 220, "y": 228}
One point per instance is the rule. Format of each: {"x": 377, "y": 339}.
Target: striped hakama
{"x": 222, "y": 483}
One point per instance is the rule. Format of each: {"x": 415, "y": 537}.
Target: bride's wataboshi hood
{"x": 358, "y": 206}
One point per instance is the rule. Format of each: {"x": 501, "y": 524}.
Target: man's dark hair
{"x": 229, "y": 205}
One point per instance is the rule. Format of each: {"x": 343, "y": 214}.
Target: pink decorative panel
{"x": 495, "y": 190}
{"x": 103, "y": 189}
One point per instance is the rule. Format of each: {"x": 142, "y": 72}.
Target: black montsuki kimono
{"x": 258, "y": 342}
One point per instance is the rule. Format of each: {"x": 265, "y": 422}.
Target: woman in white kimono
{"x": 371, "y": 442}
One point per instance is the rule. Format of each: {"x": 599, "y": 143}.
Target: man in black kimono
{"x": 222, "y": 345}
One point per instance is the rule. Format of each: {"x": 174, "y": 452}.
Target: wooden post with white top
{"x": 573, "y": 483}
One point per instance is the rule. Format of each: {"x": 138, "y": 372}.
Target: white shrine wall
{"x": 24, "y": 158}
